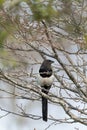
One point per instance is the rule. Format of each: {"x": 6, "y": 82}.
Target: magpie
{"x": 45, "y": 80}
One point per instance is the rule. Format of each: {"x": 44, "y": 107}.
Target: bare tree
{"x": 32, "y": 38}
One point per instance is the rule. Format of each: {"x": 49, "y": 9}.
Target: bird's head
{"x": 49, "y": 61}
{"x": 46, "y": 65}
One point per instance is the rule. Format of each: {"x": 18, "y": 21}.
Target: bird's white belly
{"x": 45, "y": 81}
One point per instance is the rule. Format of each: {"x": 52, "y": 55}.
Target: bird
{"x": 45, "y": 80}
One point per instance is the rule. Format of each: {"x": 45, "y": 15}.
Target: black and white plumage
{"x": 45, "y": 80}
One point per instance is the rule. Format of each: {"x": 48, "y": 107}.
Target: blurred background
{"x": 31, "y": 31}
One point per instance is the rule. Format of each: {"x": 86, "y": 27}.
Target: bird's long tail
{"x": 44, "y": 108}
{"x": 44, "y": 105}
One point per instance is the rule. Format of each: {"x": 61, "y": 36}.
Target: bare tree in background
{"x": 29, "y": 38}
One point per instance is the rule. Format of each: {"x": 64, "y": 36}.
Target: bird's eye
{"x": 50, "y": 61}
